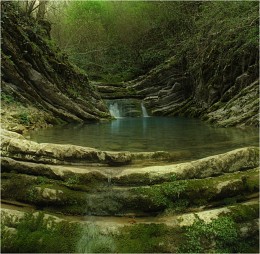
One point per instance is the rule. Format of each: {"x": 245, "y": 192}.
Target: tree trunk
{"x": 30, "y": 7}
{"x": 41, "y": 10}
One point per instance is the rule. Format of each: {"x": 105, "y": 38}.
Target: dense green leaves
{"x": 220, "y": 235}
{"x": 118, "y": 40}
{"x": 142, "y": 238}
{"x": 41, "y": 234}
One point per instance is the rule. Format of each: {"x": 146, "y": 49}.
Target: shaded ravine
{"x": 38, "y": 82}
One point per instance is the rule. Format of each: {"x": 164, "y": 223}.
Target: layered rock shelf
{"x": 117, "y": 189}
{"x": 82, "y": 180}
{"x": 38, "y": 79}
{"x": 170, "y": 89}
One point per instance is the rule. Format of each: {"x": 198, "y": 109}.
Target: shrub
{"x": 36, "y": 233}
{"x": 142, "y": 238}
{"x": 221, "y": 236}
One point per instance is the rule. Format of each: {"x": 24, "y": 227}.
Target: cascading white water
{"x": 114, "y": 110}
{"x": 144, "y": 111}
{"x": 120, "y": 108}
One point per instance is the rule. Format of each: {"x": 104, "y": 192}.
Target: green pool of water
{"x": 151, "y": 134}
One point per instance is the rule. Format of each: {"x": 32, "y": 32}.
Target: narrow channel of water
{"x": 151, "y": 134}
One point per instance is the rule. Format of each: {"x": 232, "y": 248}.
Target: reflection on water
{"x": 151, "y": 134}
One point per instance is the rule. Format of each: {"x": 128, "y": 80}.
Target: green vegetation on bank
{"x": 219, "y": 236}
{"x": 36, "y": 233}
{"x": 39, "y": 234}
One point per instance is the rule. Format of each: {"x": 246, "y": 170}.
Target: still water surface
{"x": 151, "y": 134}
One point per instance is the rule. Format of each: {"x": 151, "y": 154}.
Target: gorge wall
{"x": 150, "y": 193}
{"x": 227, "y": 95}
{"x": 38, "y": 77}
{"x": 212, "y": 74}
{"x": 223, "y": 97}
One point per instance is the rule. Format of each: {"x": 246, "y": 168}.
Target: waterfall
{"x": 144, "y": 111}
{"x": 120, "y": 108}
{"x": 114, "y": 110}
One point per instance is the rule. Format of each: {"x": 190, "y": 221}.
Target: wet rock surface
{"x": 40, "y": 88}
{"x": 82, "y": 180}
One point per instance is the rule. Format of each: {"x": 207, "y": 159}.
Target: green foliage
{"x": 32, "y": 194}
{"x": 7, "y": 98}
{"x": 142, "y": 238}
{"x": 178, "y": 206}
{"x": 225, "y": 41}
{"x": 174, "y": 188}
{"x": 73, "y": 92}
{"x": 15, "y": 185}
{"x": 36, "y": 233}
{"x": 6, "y": 239}
{"x": 42, "y": 180}
{"x": 115, "y": 41}
{"x": 167, "y": 194}
{"x": 243, "y": 213}
{"x": 24, "y": 118}
{"x": 31, "y": 236}
{"x": 220, "y": 235}
{"x": 111, "y": 38}
{"x": 7, "y": 58}
{"x": 72, "y": 180}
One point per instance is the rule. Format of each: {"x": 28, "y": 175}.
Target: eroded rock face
{"x": 241, "y": 110}
{"x": 168, "y": 90}
{"x": 37, "y": 74}
{"x": 171, "y": 90}
{"x": 218, "y": 83}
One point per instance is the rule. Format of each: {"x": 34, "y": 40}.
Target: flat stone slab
{"x": 236, "y": 160}
{"x": 112, "y": 222}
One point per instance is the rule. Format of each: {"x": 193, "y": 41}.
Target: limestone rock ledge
{"x": 80, "y": 180}
{"x": 16, "y": 146}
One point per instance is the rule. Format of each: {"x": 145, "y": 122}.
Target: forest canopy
{"x": 120, "y": 40}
